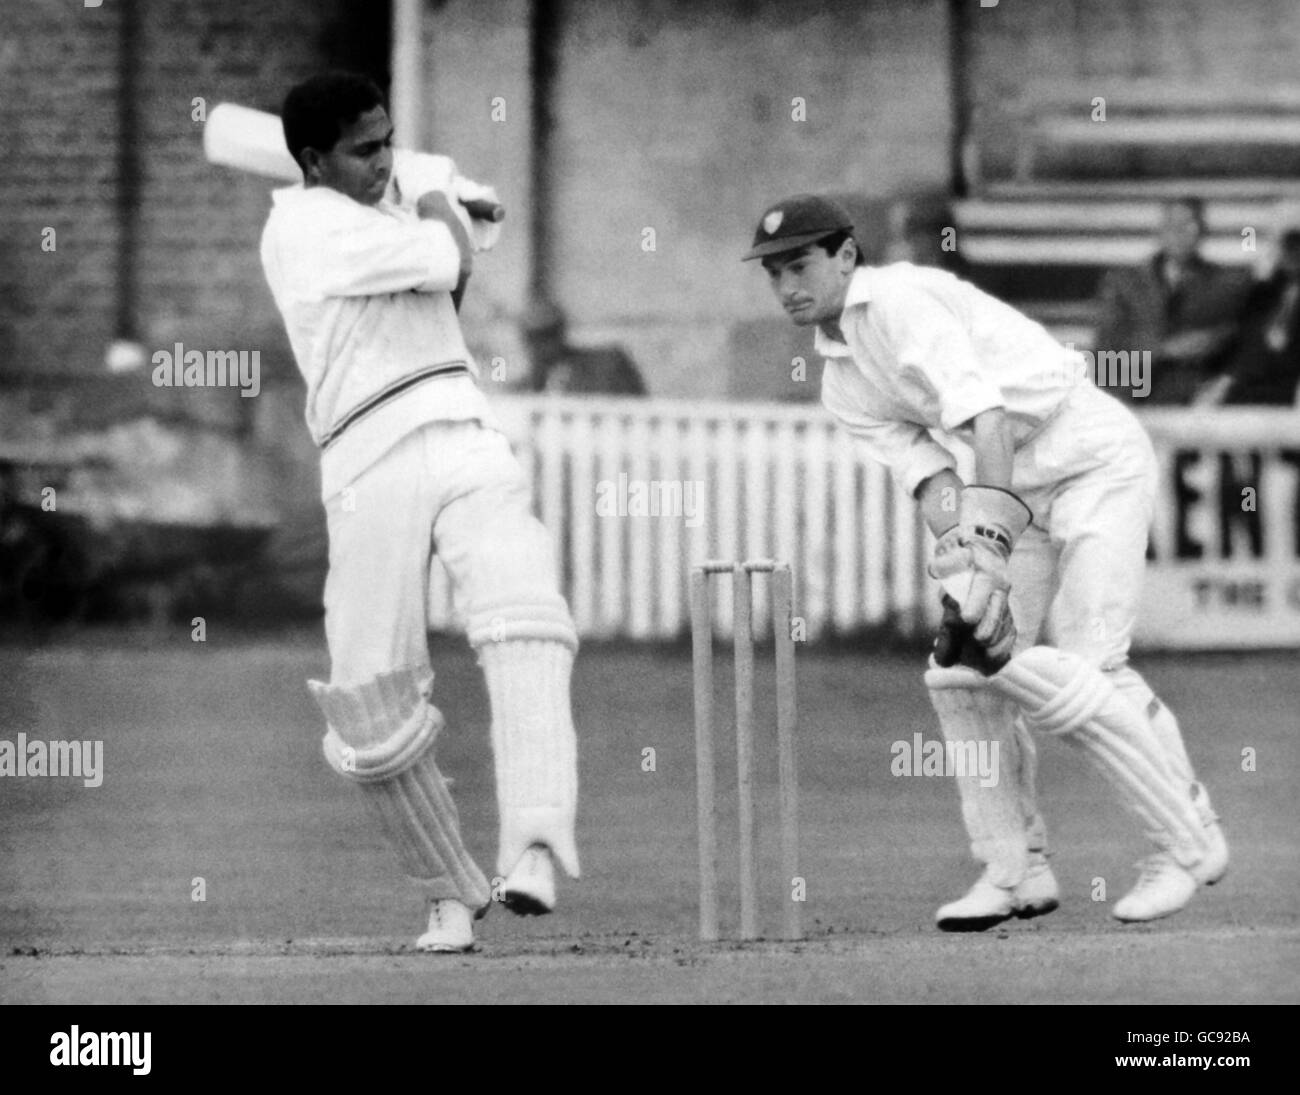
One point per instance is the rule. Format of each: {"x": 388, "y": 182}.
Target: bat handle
{"x": 484, "y": 210}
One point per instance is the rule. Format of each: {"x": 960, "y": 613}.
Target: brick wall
{"x": 58, "y": 117}
{"x": 199, "y": 277}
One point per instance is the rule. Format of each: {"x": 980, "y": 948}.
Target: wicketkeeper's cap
{"x": 796, "y": 222}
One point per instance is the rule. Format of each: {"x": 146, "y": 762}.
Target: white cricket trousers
{"x": 451, "y": 486}
{"x": 1090, "y": 480}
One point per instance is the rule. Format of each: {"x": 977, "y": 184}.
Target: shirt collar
{"x": 859, "y": 293}
{"x": 284, "y": 195}
{"x": 298, "y": 193}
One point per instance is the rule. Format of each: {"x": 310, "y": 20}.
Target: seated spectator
{"x": 1262, "y": 363}
{"x": 575, "y": 370}
{"x": 1177, "y": 305}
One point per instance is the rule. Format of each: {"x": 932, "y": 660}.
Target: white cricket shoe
{"x": 988, "y": 904}
{"x": 1163, "y": 888}
{"x": 1037, "y": 894}
{"x": 451, "y": 928}
{"x": 530, "y": 887}
{"x": 983, "y": 906}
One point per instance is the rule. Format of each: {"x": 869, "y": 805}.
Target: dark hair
{"x": 316, "y": 110}
{"x": 831, "y": 245}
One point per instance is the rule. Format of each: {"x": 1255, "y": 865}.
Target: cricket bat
{"x": 253, "y": 141}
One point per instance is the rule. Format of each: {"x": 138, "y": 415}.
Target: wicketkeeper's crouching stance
{"x": 411, "y": 462}
{"x": 1057, "y": 519}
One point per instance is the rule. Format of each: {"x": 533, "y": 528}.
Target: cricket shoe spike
{"x": 1037, "y": 894}
{"x": 1163, "y": 888}
{"x": 450, "y": 930}
{"x": 530, "y": 888}
{"x": 985, "y": 905}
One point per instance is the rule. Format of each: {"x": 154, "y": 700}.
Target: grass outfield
{"x": 212, "y": 770}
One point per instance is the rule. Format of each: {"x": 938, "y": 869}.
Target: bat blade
{"x": 253, "y": 141}
{"x": 248, "y": 140}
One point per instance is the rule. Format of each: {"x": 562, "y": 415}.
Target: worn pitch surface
{"x": 213, "y": 771}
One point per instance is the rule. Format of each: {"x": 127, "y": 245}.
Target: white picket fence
{"x": 634, "y": 491}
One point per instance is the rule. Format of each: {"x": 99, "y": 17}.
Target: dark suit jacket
{"x": 1260, "y": 373}
{"x": 1138, "y": 312}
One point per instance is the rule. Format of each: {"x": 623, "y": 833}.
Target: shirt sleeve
{"x": 365, "y": 252}
{"x": 934, "y": 353}
{"x": 416, "y": 173}
{"x": 906, "y": 448}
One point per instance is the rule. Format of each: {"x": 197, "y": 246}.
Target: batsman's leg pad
{"x": 534, "y": 746}
{"x": 971, "y": 712}
{"x": 545, "y": 618}
{"x": 1061, "y": 694}
{"x": 381, "y": 735}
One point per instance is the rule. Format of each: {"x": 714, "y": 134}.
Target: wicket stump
{"x": 702, "y": 650}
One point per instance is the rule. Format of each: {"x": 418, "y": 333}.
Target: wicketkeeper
{"x": 412, "y": 462}
{"x": 1053, "y": 527}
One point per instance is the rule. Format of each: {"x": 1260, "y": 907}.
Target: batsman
{"x": 367, "y": 276}
{"x": 1049, "y": 538}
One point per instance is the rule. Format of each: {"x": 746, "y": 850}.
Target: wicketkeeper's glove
{"x": 970, "y": 562}
{"x": 955, "y": 643}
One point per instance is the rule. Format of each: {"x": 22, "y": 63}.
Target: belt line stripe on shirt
{"x": 454, "y": 368}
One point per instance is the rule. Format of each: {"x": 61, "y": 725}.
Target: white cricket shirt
{"x": 365, "y": 292}
{"x": 927, "y": 351}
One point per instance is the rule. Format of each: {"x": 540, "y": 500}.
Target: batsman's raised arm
{"x": 476, "y": 205}
{"x": 325, "y": 245}
{"x": 435, "y": 207}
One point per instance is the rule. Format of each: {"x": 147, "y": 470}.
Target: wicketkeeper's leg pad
{"x": 381, "y": 736}
{"x": 973, "y": 717}
{"x": 534, "y": 744}
{"x": 1061, "y": 694}
{"x": 1025, "y": 772}
{"x": 1164, "y": 724}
